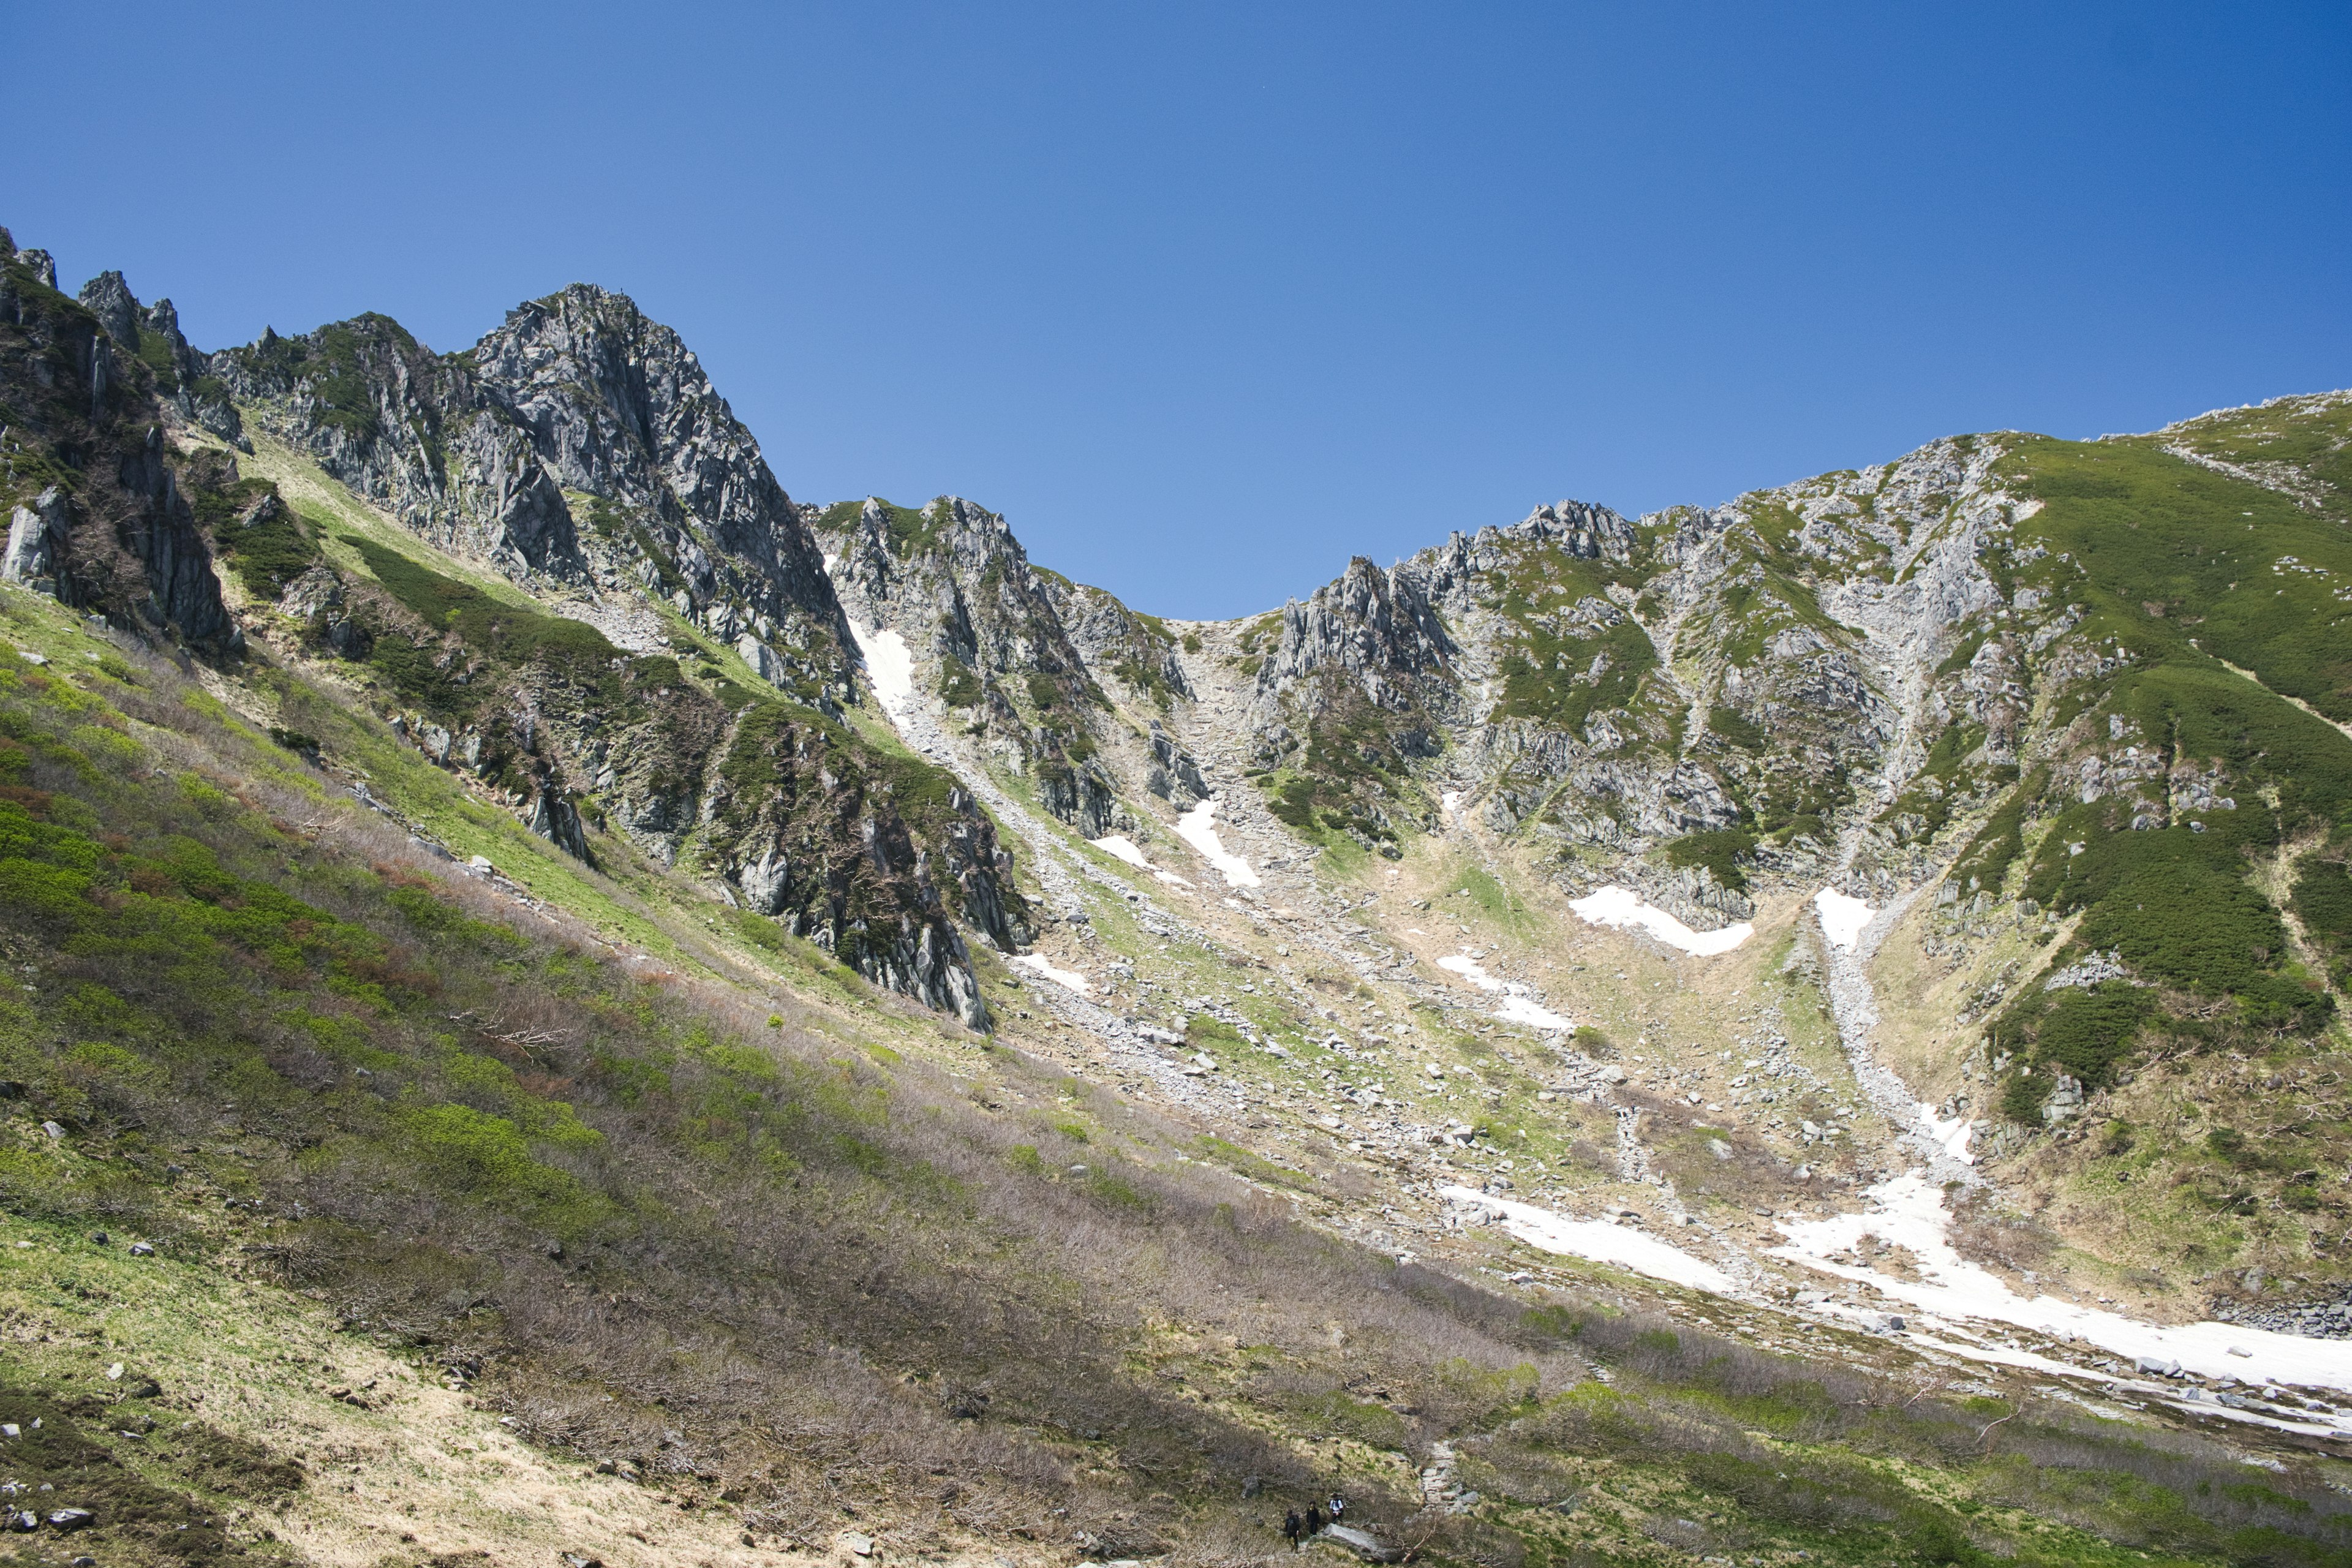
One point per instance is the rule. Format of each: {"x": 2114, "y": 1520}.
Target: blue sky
{"x": 1206, "y": 299}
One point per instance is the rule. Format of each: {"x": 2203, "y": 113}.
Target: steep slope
{"x": 686, "y": 550}
{"x": 1020, "y": 660}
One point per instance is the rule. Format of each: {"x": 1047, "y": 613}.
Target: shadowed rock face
{"x": 97, "y": 515}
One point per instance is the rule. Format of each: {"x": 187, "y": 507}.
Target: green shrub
{"x": 1723, "y": 852}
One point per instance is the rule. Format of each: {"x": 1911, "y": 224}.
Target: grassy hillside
{"x": 2207, "y": 597}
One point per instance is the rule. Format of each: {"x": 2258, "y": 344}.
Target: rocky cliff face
{"x": 97, "y": 515}
{"x": 579, "y": 448}
{"x": 990, "y": 647}
{"x": 2030, "y": 668}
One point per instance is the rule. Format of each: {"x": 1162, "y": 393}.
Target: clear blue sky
{"x": 1205, "y": 299}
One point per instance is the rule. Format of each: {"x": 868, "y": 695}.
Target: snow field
{"x": 1037, "y": 963}
{"x": 888, "y": 664}
{"x": 1121, "y": 847}
{"x": 1534, "y": 1015}
{"x": 1842, "y": 917}
{"x": 1519, "y": 1005}
{"x": 1198, "y": 828}
{"x": 1601, "y": 1241}
{"x": 1622, "y": 908}
{"x": 1909, "y": 1212}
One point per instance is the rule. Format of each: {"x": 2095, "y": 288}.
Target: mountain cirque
{"x": 1910, "y": 903}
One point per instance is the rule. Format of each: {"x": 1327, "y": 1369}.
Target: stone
{"x": 764, "y": 660}
{"x": 555, "y": 818}
{"x": 1368, "y": 1546}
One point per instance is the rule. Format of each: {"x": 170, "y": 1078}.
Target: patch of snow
{"x": 1469, "y": 969}
{"x": 1909, "y": 1212}
{"x": 889, "y": 665}
{"x": 1623, "y": 910}
{"x": 1952, "y": 1137}
{"x": 1602, "y": 1241}
{"x": 1450, "y": 804}
{"x": 1843, "y": 917}
{"x": 1037, "y": 963}
{"x": 1198, "y": 828}
{"x": 1520, "y": 1010}
{"x": 1121, "y": 847}
{"x": 1518, "y": 1007}
{"x": 1118, "y": 846}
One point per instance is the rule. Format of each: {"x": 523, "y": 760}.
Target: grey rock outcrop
{"x": 555, "y": 818}
{"x": 152, "y": 333}
{"x": 1377, "y": 627}
{"x": 37, "y": 541}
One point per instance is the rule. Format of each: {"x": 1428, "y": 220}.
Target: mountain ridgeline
{"x": 749, "y": 993}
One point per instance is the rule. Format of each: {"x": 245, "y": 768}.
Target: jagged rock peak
{"x": 1378, "y": 626}
{"x": 109, "y": 297}
{"x": 151, "y": 333}
{"x": 1584, "y": 529}
{"x": 617, "y": 405}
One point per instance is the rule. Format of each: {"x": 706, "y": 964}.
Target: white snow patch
{"x": 1520, "y": 1010}
{"x": 1469, "y": 969}
{"x": 1843, "y": 917}
{"x": 1519, "y": 1003}
{"x": 1909, "y": 1212}
{"x": 1450, "y": 804}
{"x": 1037, "y": 963}
{"x": 1601, "y": 1241}
{"x": 1121, "y": 847}
{"x": 1198, "y": 828}
{"x": 1952, "y": 1137}
{"x": 889, "y": 665}
{"x": 1623, "y": 908}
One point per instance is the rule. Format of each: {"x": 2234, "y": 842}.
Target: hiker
{"x": 1313, "y": 1520}
{"x": 1339, "y": 1507}
{"x": 1290, "y": 1527}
